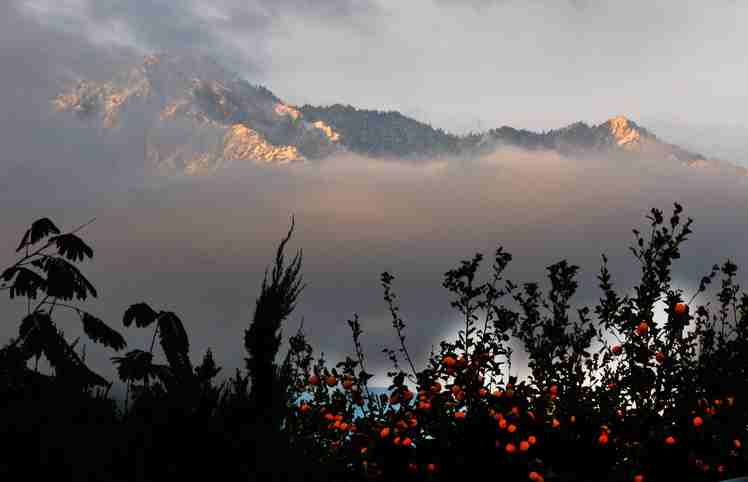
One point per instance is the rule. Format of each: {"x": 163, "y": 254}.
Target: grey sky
{"x": 200, "y": 247}
{"x": 536, "y": 64}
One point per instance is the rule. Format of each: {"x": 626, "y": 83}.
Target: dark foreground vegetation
{"x": 665, "y": 402}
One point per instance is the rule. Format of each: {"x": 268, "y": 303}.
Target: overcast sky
{"x": 200, "y": 247}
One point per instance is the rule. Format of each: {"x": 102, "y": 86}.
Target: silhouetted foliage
{"x": 667, "y": 401}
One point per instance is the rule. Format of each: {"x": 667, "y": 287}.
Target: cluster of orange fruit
{"x": 400, "y": 430}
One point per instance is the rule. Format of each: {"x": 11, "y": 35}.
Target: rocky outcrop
{"x": 197, "y": 117}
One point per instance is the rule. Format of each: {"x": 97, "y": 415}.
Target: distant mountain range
{"x": 196, "y": 116}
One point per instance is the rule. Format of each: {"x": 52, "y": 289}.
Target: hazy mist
{"x": 199, "y": 246}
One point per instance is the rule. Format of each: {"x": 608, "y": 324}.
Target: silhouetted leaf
{"x": 135, "y": 365}
{"x": 64, "y": 280}
{"x": 36, "y": 331}
{"x": 39, "y": 229}
{"x": 26, "y": 283}
{"x": 165, "y": 374}
{"x": 72, "y": 247}
{"x": 141, "y": 313}
{"x": 100, "y": 332}
{"x": 174, "y": 341}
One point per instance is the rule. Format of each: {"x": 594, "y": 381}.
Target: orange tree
{"x": 663, "y": 403}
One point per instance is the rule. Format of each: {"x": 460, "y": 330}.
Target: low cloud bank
{"x": 200, "y": 246}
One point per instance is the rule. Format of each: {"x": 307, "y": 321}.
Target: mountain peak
{"x": 625, "y": 132}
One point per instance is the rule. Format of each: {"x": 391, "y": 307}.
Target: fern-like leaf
{"x": 100, "y": 332}
{"x": 36, "y": 332}
{"x": 135, "y": 365}
{"x": 175, "y": 342}
{"x": 64, "y": 280}
{"x": 141, "y": 313}
{"x": 27, "y": 283}
{"x": 72, "y": 247}
{"x": 39, "y": 229}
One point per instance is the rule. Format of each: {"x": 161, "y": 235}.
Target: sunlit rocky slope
{"x": 195, "y": 117}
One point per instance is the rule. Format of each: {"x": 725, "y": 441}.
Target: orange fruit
{"x": 344, "y": 427}
{"x": 736, "y": 443}
{"x": 407, "y": 441}
{"x": 698, "y": 421}
{"x": 449, "y": 361}
{"x": 385, "y": 432}
{"x": 511, "y": 428}
{"x": 524, "y": 446}
{"x": 331, "y": 381}
{"x": 396, "y": 441}
{"x": 670, "y": 440}
{"x": 534, "y": 476}
{"x": 642, "y": 329}
{"x": 347, "y": 384}
{"x": 681, "y": 309}
{"x": 573, "y": 419}
{"x": 510, "y": 448}
{"x": 603, "y": 439}
{"x": 532, "y": 439}
{"x": 502, "y": 423}
{"x": 555, "y": 423}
